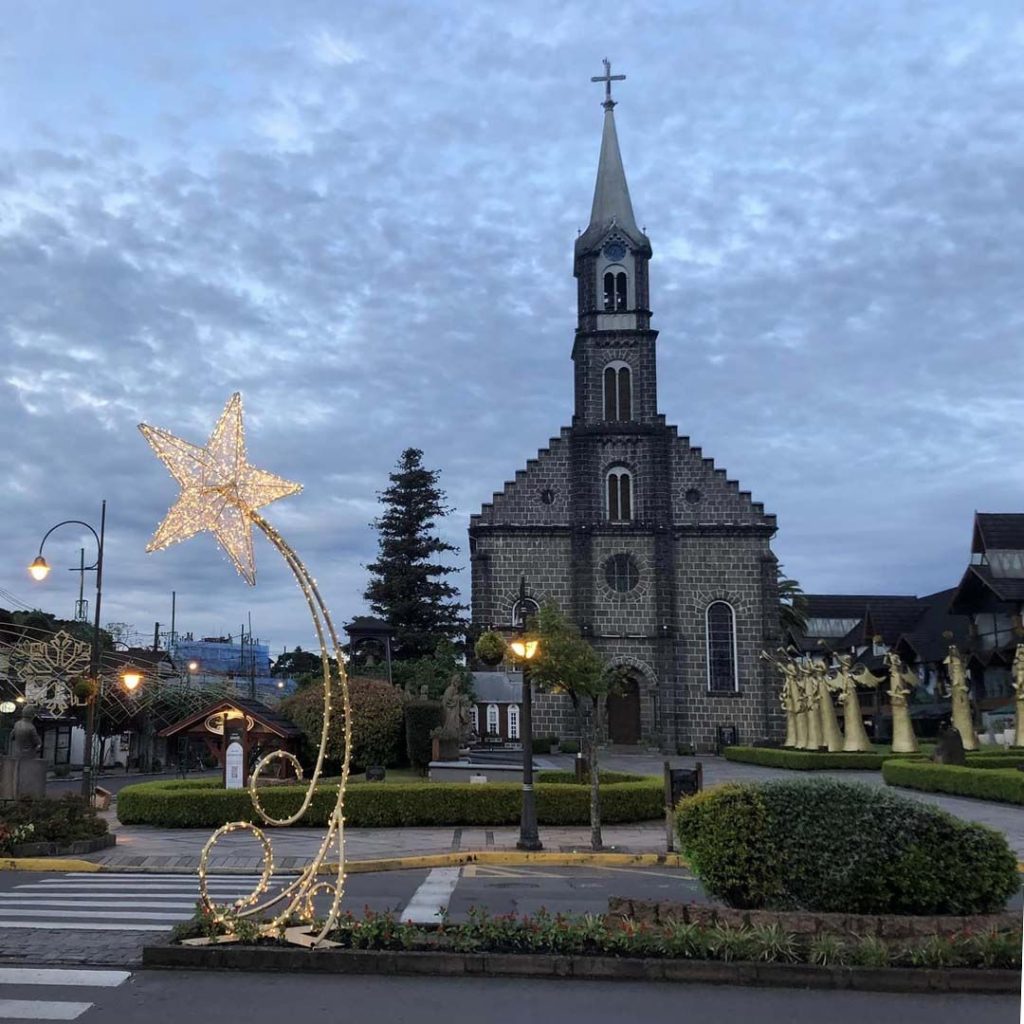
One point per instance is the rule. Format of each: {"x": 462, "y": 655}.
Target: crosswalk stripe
{"x": 117, "y": 915}
{"x": 77, "y": 926}
{"x": 61, "y": 976}
{"x": 14, "y": 905}
{"x": 430, "y": 900}
{"x": 39, "y": 1009}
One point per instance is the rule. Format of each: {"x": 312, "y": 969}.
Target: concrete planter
{"x": 603, "y": 968}
{"x": 78, "y": 847}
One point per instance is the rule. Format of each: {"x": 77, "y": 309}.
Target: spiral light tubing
{"x": 301, "y": 889}
{"x": 266, "y": 872}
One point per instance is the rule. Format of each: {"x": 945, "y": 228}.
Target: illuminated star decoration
{"x": 220, "y": 491}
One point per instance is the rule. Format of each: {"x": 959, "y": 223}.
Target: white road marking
{"x": 58, "y": 976}
{"x": 75, "y": 926}
{"x": 8, "y": 902}
{"x": 431, "y": 899}
{"x": 121, "y": 915}
{"x": 38, "y": 1009}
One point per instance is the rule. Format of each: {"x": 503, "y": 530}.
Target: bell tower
{"x": 614, "y": 345}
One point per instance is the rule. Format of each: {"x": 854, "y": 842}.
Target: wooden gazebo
{"x": 258, "y": 729}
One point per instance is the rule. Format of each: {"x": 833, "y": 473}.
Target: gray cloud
{"x": 365, "y": 224}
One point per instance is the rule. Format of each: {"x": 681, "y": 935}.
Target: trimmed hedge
{"x": 202, "y": 803}
{"x": 607, "y": 778}
{"x": 839, "y": 847}
{"x": 809, "y": 760}
{"x": 981, "y": 781}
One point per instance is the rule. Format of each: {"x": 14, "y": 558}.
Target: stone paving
{"x": 169, "y": 849}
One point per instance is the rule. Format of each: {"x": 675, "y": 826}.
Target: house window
{"x": 618, "y": 392}
{"x": 620, "y": 495}
{"x": 492, "y": 719}
{"x": 621, "y": 573}
{"x": 476, "y": 719}
{"x": 513, "y": 721}
{"x": 525, "y": 609}
{"x": 721, "y": 648}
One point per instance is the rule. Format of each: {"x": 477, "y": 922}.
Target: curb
{"x": 598, "y": 968}
{"x": 501, "y": 858}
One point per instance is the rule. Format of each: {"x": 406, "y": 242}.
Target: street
{"x": 168, "y": 997}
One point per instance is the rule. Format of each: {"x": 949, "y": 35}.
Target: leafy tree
{"x": 408, "y": 586}
{"x": 433, "y": 672}
{"x": 792, "y": 605}
{"x": 566, "y": 663}
{"x": 304, "y": 667}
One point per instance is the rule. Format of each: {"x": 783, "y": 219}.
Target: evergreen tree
{"x": 407, "y": 585}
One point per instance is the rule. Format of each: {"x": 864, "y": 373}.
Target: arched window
{"x": 513, "y": 721}
{"x": 525, "y": 609}
{"x": 618, "y": 392}
{"x": 609, "y": 292}
{"x": 620, "y": 495}
{"x": 476, "y": 719}
{"x": 492, "y": 719}
{"x": 620, "y": 291}
{"x": 721, "y": 645}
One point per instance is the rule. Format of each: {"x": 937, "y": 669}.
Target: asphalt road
{"x": 168, "y": 997}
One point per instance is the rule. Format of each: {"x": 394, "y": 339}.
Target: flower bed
{"x": 984, "y": 783}
{"x": 47, "y": 824}
{"x": 202, "y": 803}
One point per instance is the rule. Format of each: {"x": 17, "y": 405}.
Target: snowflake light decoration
{"x": 50, "y": 669}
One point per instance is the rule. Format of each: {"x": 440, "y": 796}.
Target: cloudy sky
{"x": 362, "y": 216}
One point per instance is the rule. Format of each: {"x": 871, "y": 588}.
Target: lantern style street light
{"x": 524, "y": 650}
{"x": 131, "y": 677}
{"x": 39, "y": 570}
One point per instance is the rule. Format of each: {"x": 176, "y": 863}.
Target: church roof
{"x": 612, "y": 207}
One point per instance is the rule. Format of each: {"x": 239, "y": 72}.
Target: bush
{"x": 983, "y": 782}
{"x": 376, "y": 722}
{"x": 421, "y": 718}
{"x": 569, "y": 778}
{"x": 839, "y": 847}
{"x": 809, "y": 760}
{"x": 64, "y": 820}
{"x": 569, "y": 746}
{"x": 202, "y": 803}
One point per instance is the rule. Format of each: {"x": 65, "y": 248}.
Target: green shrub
{"x": 832, "y": 846}
{"x": 202, "y": 803}
{"x": 984, "y": 783}
{"x": 376, "y": 721}
{"x": 809, "y": 760}
{"x": 421, "y": 718}
{"x": 64, "y": 820}
{"x": 569, "y": 746}
{"x": 984, "y": 759}
{"x": 560, "y": 778}
{"x": 542, "y": 744}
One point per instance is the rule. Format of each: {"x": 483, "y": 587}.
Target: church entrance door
{"x": 624, "y": 713}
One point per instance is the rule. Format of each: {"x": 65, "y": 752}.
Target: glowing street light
{"x": 39, "y": 569}
{"x": 131, "y": 677}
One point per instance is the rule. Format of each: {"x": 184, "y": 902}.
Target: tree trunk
{"x": 596, "y": 843}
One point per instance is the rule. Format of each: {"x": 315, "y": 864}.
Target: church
{"x": 660, "y": 559}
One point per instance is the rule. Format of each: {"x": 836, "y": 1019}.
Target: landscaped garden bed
{"x": 983, "y": 782}
{"x": 41, "y": 827}
{"x": 204, "y": 803}
{"x": 813, "y": 760}
{"x": 611, "y": 946}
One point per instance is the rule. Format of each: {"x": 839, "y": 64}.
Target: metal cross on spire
{"x": 608, "y": 78}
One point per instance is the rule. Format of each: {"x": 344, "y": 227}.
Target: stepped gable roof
{"x": 259, "y": 712}
{"x": 998, "y": 530}
{"x": 498, "y": 687}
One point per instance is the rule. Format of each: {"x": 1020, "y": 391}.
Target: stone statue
{"x": 855, "y": 736}
{"x": 1018, "y": 689}
{"x": 901, "y": 684}
{"x": 455, "y": 707}
{"x": 25, "y": 741}
{"x": 960, "y": 698}
{"x": 830, "y": 735}
{"x": 808, "y": 683}
{"x": 23, "y": 771}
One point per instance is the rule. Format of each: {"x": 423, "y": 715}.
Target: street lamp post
{"x": 524, "y": 651}
{"x": 39, "y": 570}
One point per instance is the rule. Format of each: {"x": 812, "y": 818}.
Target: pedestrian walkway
{"x": 121, "y": 902}
{"x": 21, "y": 986}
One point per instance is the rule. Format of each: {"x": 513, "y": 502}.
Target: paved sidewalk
{"x": 151, "y": 848}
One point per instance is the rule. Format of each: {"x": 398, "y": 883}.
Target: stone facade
{"x": 692, "y": 537}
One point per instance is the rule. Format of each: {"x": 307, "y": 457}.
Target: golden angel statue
{"x": 960, "y": 698}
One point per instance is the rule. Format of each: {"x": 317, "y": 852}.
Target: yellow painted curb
{"x": 47, "y": 864}
{"x": 509, "y": 858}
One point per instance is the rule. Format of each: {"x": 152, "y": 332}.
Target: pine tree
{"x": 407, "y": 586}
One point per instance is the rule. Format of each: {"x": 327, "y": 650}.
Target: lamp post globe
{"x": 39, "y": 569}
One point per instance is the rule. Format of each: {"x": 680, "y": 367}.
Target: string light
{"x": 221, "y": 492}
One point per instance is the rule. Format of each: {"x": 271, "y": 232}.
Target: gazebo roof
{"x": 264, "y": 716}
